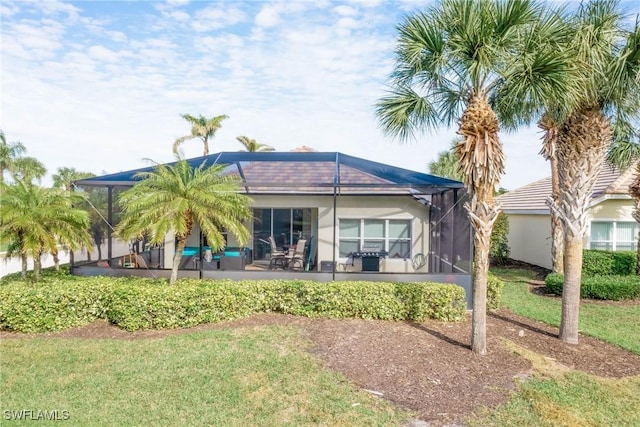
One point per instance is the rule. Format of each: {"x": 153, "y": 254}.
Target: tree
{"x": 9, "y": 152}
{"x": 34, "y": 220}
{"x": 173, "y": 198}
{"x": 27, "y": 169}
{"x": 624, "y": 153}
{"x": 201, "y": 128}
{"x": 607, "y": 58}
{"x": 548, "y": 151}
{"x": 452, "y": 64}
{"x": 63, "y": 179}
{"x": 447, "y": 165}
{"x": 252, "y": 146}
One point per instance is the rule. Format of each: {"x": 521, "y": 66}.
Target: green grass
{"x": 570, "y": 399}
{"x": 560, "y": 396}
{"x": 230, "y": 377}
{"x": 618, "y": 324}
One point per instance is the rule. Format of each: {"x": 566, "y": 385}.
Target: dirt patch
{"x": 424, "y": 366}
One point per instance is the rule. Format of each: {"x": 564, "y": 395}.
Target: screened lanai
{"x": 356, "y": 216}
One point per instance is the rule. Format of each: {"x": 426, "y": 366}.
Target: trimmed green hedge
{"x": 614, "y": 288}
{"x": 137, "y": 303}
{"x": 596, "y": 262}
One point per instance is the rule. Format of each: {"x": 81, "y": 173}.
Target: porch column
{"x": 110, "y": 220}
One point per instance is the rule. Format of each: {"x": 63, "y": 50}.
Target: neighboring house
{"x": 342, "y": 205}
{"x": 609, "y": 215}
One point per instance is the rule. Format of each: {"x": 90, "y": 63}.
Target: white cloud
{"x": 112, "y": 91}
{"x": 267, "y": 17}
{"x": 345, "y": 10}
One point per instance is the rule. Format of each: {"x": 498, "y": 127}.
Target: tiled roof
{"x": 532, "y": 197}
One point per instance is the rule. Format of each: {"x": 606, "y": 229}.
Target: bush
{"x": 614, "y": 288}
{"x": 500, "y": 250}
{"x": 52, "y": 306}
{"x": 494, "y": 292}
{"x": 137, "y": 303}
{"x": 596, "y": 262}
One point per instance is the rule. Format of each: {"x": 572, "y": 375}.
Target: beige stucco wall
{"x": 354, "y": 207}
{"x": 530, "y": 235}
{"x": 530, "y": 239}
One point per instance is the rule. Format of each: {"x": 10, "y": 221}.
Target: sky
{"x": 100, "y": 85}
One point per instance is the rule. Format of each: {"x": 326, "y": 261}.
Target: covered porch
{"x": 359, "y": 220}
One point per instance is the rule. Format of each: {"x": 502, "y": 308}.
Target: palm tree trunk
{"x": 581, "y": 147}
{"x": 37, "y": 267}
{"x": 23, "y": 273}
{"x": 548, "y": 151}
{"x": 56, "y": 260}
{"x": 177, "y": 257}
{"x": 482, "y": 161}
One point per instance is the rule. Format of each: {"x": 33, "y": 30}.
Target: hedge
{"x": 595, "y": 262}
{"x": 614, "y": 288}
{"x": 137, "y": 303}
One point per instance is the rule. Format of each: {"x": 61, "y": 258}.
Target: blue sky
{"x": 99, "y": 86}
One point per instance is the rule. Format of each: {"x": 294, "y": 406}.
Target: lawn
{"x": 563, "y": 397}
{"x": 230, "y": 377}
{"x": 615, "y": 323}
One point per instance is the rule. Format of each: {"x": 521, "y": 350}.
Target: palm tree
{"x": 608, "y": 60}
{"x": 173, "y": 198}
{"x": 63, "y": 179}
{"x": 9, "y": 152}
{"x": 252, "y": 146}
{"x": 201, "y": 128}
{"x": 447, "y": 165}
{"x": 624, "y": 153}
{"x": 27, "y": 169}
{"x": 453, "y": 63}
{"x": 548, "y": 151}
{"x": 35, "y": 220}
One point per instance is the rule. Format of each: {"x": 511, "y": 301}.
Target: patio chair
{"x": 278, "y": 256}
{"x": 297, "y": 257}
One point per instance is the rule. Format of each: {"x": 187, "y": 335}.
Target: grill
{"x": 370, "y": 258}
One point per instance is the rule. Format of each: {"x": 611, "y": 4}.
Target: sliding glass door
{"x": 285, "y": 225}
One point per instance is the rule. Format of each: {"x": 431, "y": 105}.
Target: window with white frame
{"x": 614, "y": 235}
{"x": 390, "y": 235}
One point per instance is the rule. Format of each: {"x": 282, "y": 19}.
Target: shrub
{"x": 137, "y": 303}
{"x": 500, "y": 250}
{"x": 495, "y": 287}
{"x": 595, "y": 262}
{"x": 609, "y": 287}
{"x": 52, "y": 306}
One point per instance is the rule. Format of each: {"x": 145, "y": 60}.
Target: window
{"x": 614, "y": 236}
{"x": 391, "y": 235}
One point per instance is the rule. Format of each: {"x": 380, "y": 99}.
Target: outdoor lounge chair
{"x": 278, "y": 256}
{"x": 296, "y": 259}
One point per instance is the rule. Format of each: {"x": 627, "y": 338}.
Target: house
{"x": 359, "y": 219}
{"x": 609, "y": 215}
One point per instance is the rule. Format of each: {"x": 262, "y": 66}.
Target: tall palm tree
{"x": 201, "y": 128}
{"x": 173, "y": 198}
{"x": 608, "y": 59}
{"x": 455, "y": 61}
{"x": 9, "y": 152}
{"x": 35, "y": 220}
{"x": 548, "y": 151}
{"x": 624, "y": 153}
{"x": 252, "y": 146}
{"x": 63, "y": 179}
{"x": 27, "y": 169}
{"x": 447, "y": 165}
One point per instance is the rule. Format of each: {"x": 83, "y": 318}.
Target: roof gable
{"x": 533, "y": 196}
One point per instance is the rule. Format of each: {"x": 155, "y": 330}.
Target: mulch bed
{"x": 424, "y": 366}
